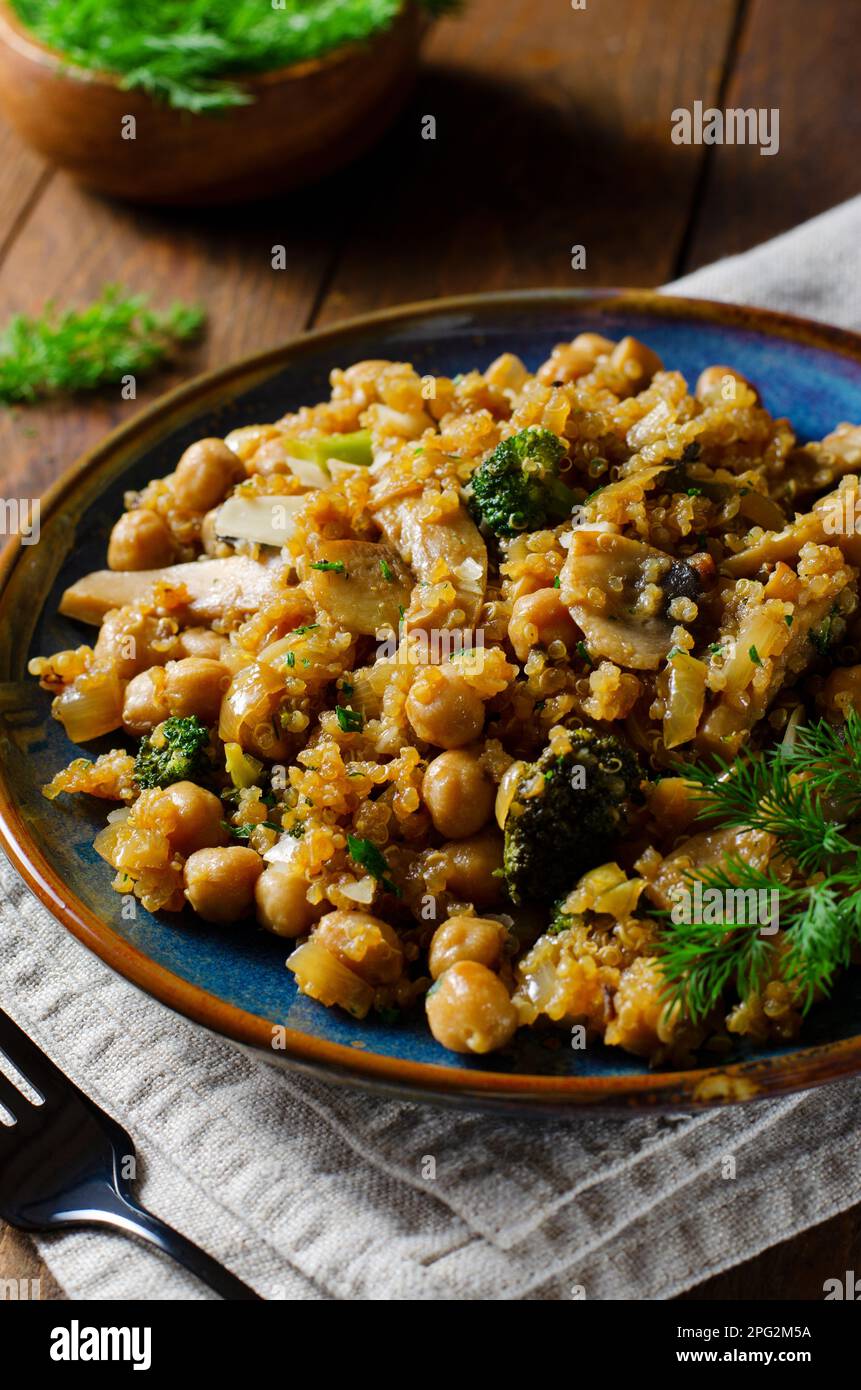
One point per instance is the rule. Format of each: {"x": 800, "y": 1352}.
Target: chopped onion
{"x": 321, "y": 976}
{"x": 283, "y": 851}
{"x": 340, "y": 469}
{"x": 92, "y": 706}
{"x": 686, "y": 696}
{"x": 310, "y": 474}
{"x": 505, "y": 793}
{"x": 361, "y": 892}
{"x": 795, "y": 719}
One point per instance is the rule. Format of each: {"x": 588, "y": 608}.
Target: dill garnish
{"x": 82, "y": 349}
{"x": 807, "y": 795}
{"x": 192, "y": 53}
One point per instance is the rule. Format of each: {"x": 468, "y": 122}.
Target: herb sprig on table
{"x": 81, "y": 349}
{"x": 808, "y": 795}
{"x": 186, "y": 51}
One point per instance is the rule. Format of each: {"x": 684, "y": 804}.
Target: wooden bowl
{"x": 306, "y": 120}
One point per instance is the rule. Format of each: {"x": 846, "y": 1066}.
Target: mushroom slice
{"x": 361, "y": 585}
{"x": 264, "y": 520}
{"x": 214, "y": 588}
{"x": 833, "y": 521}
{"x": 615, "y": 591}
{"x": 423, "y": 543}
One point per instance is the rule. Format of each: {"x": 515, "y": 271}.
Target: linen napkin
{"x": 315, "y": 1191}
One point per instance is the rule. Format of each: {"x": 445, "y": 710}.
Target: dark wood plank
{"x": 794, "y": 1269}
{"x": 74, "y": 242}
{"x": 802, "y": 60}
{"x": 22, "y": 177}
{"x": 20, "y": 1262}
{"x": 552, "y": 130}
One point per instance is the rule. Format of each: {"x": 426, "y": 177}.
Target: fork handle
{"x": 123, "y": 1214}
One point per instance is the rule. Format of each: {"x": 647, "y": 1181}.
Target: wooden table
{"x": 553, "y": 130}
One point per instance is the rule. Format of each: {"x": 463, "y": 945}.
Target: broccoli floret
{"x": 177, "y": 751}
{"x": 518, "y": 487}
{"x": 560, "y": 920}
{"x": 566, "y": 811}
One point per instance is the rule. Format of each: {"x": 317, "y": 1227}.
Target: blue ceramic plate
{"x": 233, "y": 980}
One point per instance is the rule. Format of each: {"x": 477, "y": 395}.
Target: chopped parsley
{"x": 350, "y": 721}
{"x": 387, "y": 571}
{"x": 368, "y": 857}
{"x": 330, "y": 566}
{"x": 243, "y": 832}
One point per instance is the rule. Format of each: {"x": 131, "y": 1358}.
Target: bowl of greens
{"x": 205, "y": 101}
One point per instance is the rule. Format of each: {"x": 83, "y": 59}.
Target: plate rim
{"x": 741, "y": 1081}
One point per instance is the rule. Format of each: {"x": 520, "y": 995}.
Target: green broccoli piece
{"x": 518, "y": 487}
{"x": 560, "y": 920}
{"x": 566, "y": 811}
{"x": 177, "y": 751}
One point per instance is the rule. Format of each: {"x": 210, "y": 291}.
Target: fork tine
{"x": 14, "y": 1101}
{"x": 29, "y": 1059}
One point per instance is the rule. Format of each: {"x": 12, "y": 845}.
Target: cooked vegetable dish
{"x": 508, "y": 697}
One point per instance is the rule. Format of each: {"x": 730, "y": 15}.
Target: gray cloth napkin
{"x": 311, "y": 1191}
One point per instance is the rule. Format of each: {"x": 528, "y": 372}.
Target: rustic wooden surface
{"x": 553, "y": 129}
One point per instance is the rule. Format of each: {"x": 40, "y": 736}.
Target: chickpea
{"x": 473, "y": 868}
{"x": 196, "y": 685}
{"x": 133, "y": 642}
{"x": 595, "y": 344}
{"x": 145, "y": 702}
{"x": 466, "y": 938}
{"x": 206, "y": 471}
{"x": 219, "y": 883}
{"x": 469, "y": 1010}
{"x": 363, "y": 943}
{"x": 249, "y": 713}
{"x": 200, "y": 818}
{"x": 200, "y": 641}
{"x": 636, "y": 361}
{"x": 443, "y": 708}
{"x": 282, "y": 905}
{"x": 719, "y": 383}
{"x": 539, "y": 619}
{"x": 841, "y": 693}
{"x": 458, "y": 793}
{"x": 569, "y": 361}
{"x": 208, "y": 535}
{"x": 271, "y": 458}
{"x": 140, "y": 540}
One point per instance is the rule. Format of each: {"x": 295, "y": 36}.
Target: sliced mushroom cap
{"x": 614, "y": 589}
{"x": 422, "y": 544}
{"x": 214, "y": 588}
{"x": 833, "y": 521}
{"x": 361, "y": 585}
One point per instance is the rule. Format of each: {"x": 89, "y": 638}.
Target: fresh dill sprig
{"x": 193, "y": 54}
{"x": 792, "y": 792}
{"x": 81, "y": 349}
{"x": 700, "y": 960}
{"x": 783, "y": 793}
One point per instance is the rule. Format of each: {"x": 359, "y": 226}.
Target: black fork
{"x": 63, "y": 1164}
